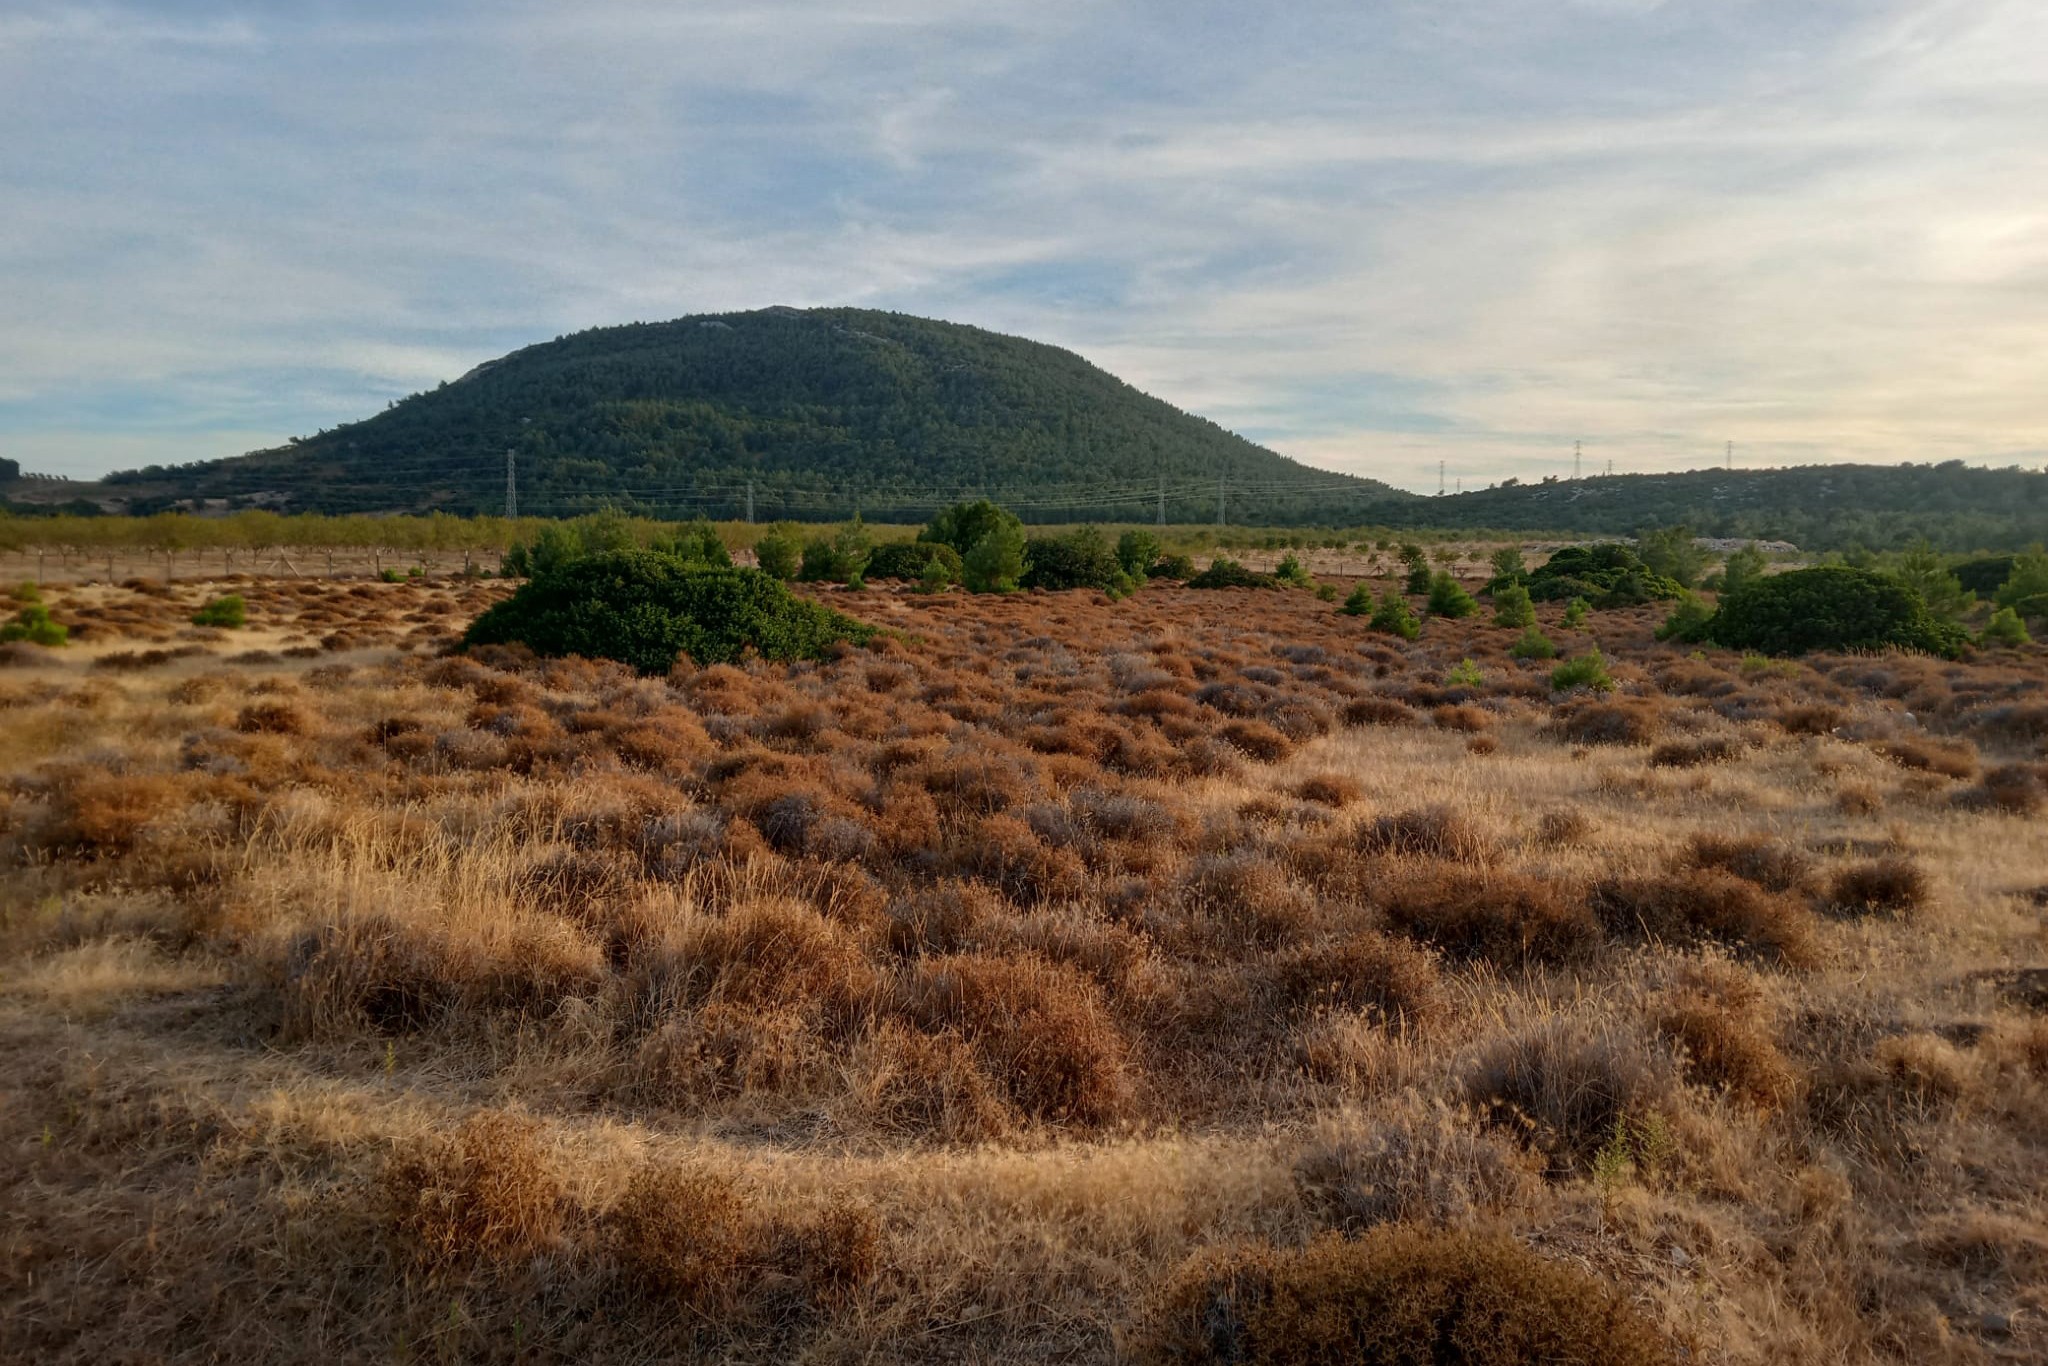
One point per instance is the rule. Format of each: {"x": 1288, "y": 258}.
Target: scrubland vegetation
{"x": 1206, "y": 975}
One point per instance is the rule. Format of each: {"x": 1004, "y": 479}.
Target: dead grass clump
{"x": 1629, "y": 722}
{"x": 929, "y": 1086}
{"x": 1256, "y": 739}
{"x": 1568, "y": 1088}
{"x": 1427, "y": 1164}
{"x": 684, "y": 1234}
{"x": 1753, "y": 858}
{"x": 2016, "y": 789}
{"x": 1243, "y": 899}
{"x": 1506, "y": 919}
{"x": 1393, "y": 981}
{"x": 1431, "y": 832}
{"x": 485, "y": 1192}
{"x": 1402, "y": 1293}
{"x": 96, "y": 814}
{"x": 1857, "y": 799}
{"x": 833, "y": 1253}
{"x": 1717, "y": 1021}
{"x": 764, "y": 953}
{"x": 1042, "y": 1028}
{"x": 272, "y": 718}
{"x": 1930, "y": 756}
{"x": 725, "y": 1050}
{"x": 1815, "y": 718}
{"x": 1565, "y": 828}
{"x": 1715, "y": 749}
{"x": 1380, "y": 711}
{"x": 1892, "y": 885}
{"x": 1708, "y": 904}
{"x": 1329, "y": 789}
{"x": 1927, "y": 1069}
{"x": 946, "y": 918}
{"x": 1005, "y": 852}
{"x": 1466, "y": 718}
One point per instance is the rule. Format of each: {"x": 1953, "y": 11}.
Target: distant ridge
{"x": 822, "y": 411}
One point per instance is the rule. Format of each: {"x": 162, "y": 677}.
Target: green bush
{"x": 997, "y": 560}
{"x": 1137, "y": 551}
{"x": 1228, "y": 573}
{"x": 34, "y": 625}
{"x": 1326, "y": 592}
{"x": 838, "y": 557}
{"x": 1986, "y": 576}
{"x": 645, "y": 610}
{"x": 1466, "y": 675}
{"x": 1080, "y": 559}
{"x": 561, "y": 543}
{"x": 779, "y": 555}
{"x": 1293, "y": 573}
{"x": 937, "y": 578}
{"x": 1606, "y": 575}
{"x": 228, "y": 610}
{"x": 2028, "y": 580}
{"x": 1688, "y": 621}
{"x": 1508, "y": 563}
{"x": 1174, "y": 566}
{"x": 1512, "y": 608}
{"x": 1832, "y": 607}
{"x": 2005, "y": 628}
{"x": 1395, "y": 617}
{"x": 1448, "y": 598}
{"x": 1921, "y": 568}
{"x": 1671, "y": 553}
{"x": 1742, "y": 568}
{"x": 1401, "y": 1294}
{"x": 1588, "y": 670}
{"x": 965, "y": 525}
{"x": 1575, "y": 613}
{"x": 1359, "y": 604}
{"x": 27, "y": 593}
{"x": 1533, "y": 644}
{"x": 907, "y": 560}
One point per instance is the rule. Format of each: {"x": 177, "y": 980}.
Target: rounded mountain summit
{"x": 818, "y": 412}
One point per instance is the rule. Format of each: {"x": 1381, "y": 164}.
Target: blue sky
{"x": 1372, "y": 235}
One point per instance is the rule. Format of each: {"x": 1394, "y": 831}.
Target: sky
{"x": 1375, "y": 235}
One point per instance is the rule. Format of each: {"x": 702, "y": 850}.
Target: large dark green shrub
{"x": 907, "y": 560}
{"x": 838, "y": 557}
{"x": 1224, "y": 572}
{"x": 1607, "y": 575}
{"x": 1986, "y": 576}
{"x": 645, "y": 609}
{"x": 779, "y": 554}
{"x": 227, "y": 610}
{"x": 1137, "y": 551}
{"x": 1448, "y": 598}
{"x": 1832, "y": 607}
{"x": 964, "y": 525}
{"x": 1080, "y": 559}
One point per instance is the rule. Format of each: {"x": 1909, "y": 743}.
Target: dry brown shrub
{"x": 725, "y": 1050}
{"x": 1708, "y": 904}
{"x": 272, "y": 718}
{"x": 1042, "y": 1027}
{"x": 1812, "y": 718}
{"x": 95, "y": 814}
{"x": 1005, "y": 852}
{"x": 1858, "y": 800}
{"x": 385, "y": 973}
{"x": 764, "y": 953}
{"x": 1482, "y": 745}
{"x": 1891, "y": 885}
{"x": 833, "y": 1253}
{"x": 1930, "y": 756}
{"x": 1631, "y": 722}
{"x": 2016, "y": 789}
{"x": 1716, "y": 1018}
{"x": 1393, "y": 981}
{"x": 1753, "y": 858}
{"x": 1567, "y": 1087}
{"x": 1422, "y": 1163}
{"x": 927, "y": 1086}
{"x": 1465, "y": 718}
{"x": 1330, "y": 789}
{"x": 1430, "y": 831}
{"x": 1401, "y": 1293}
{"x": 1564, "y": 828}
{"x": 1380, "y": 711}
{"x": 946, "y": 918}
{"x": 1242, "y": 899}
{"x": 486, "y": 1192}
{"x": 1507, "y": 919}
{"x": 684, "y": 1234}
{"x": 1256, "y": 739}
{"x": 1928, "y": 1070}
{"x": 1694, "y": 753}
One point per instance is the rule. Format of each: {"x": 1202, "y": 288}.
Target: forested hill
{"x": 1817, "y": 507}
{"x": 821, "y": 410}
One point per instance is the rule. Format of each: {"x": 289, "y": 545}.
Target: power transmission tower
{"x": 1439, "y": 478}
{"x": 511, "y": 485}
{"x": 1610, "y": 465}
{"x": 1577, "y": 455}
{"x": 1731, "y": 455}
{"x": 1162, "y": 497}
{"x": 750, "y": 502}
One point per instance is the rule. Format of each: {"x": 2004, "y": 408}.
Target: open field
{"x": 971, "y": 996}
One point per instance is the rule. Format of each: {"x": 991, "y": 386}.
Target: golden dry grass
{"x": 1002, "y": 991}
